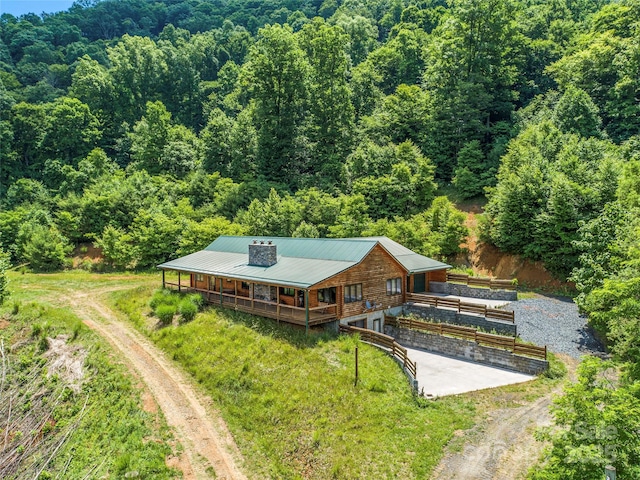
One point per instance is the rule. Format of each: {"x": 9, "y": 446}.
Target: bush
{"x": 165, "y": 313}
{"x": 187, "y": 310}
{"x": 197, "y": 300}
{"x": 163, "y": 297}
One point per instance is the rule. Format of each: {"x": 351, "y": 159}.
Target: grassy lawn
{"x": 291, "y": 403}
{"x": 289, "y": 399}
{"x": 98, "y": 430}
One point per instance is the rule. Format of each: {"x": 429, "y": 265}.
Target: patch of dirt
{"x": 488, "y": 260}
{"x": 86, "y": 253}
{"x": 66, "y": 360}
{"x": 3, "y": 324}
{"x": 208, "y": 445}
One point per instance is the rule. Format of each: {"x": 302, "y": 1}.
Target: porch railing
{"x": 265, "y": 308}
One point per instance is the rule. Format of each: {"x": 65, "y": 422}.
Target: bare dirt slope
{"x": 209, "y": 448}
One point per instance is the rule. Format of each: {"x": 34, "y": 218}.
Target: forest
{"x": 148, "y": 128}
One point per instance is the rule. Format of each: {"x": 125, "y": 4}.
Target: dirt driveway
{"x": 209, "y": 448}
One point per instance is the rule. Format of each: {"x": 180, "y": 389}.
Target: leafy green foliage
{"x": 4, "y": 280}
{"x": 165, "y": 313}
{"x": 46, "y": 249}
{"x": 599, "y": 425}
{"x": 187, "y": 310}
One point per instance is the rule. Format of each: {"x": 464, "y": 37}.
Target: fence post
{"x": 610, "y": 472}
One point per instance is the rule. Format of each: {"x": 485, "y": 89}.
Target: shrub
{"x": 163, "y": 297}
{"x": 187, "y": 309}
{"x": 197, "y": 300}
{"x": 165, "y": 313}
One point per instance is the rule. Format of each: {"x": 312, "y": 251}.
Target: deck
{"x": 281, "y": 312}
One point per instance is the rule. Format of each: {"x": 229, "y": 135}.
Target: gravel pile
{"x": 556, "y": 323}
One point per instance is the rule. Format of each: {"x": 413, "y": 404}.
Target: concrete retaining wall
{"x": 472, "y": 292}
{"x": 443, "y": 315}
{"x": 467, "y": 350}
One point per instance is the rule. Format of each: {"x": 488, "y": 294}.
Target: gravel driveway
{"x": 556, "y": 323}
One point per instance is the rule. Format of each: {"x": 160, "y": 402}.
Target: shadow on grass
{"x": 291, "y": 333}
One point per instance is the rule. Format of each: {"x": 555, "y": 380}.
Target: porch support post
{"x": 235, "y": 292}
{"x": 278, "y": 302}
{"x": 220, "y": 291}
{"x": 306, "y": 311}
{"x": 163, "y": 285}
{"x": 179, "y": 282}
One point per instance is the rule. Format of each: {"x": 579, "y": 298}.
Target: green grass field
{"x": 98, "y": 431}
{"x": 289, "y": 399}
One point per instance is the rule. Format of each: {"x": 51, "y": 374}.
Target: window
{"x": 287, "y": 291}
{"x": 244, "y": 286}
{"x": 199, "y": 278}
{"x": 353, "y": 293}
{"x": 327, "y": 295}
{"x": 394, "y": 286}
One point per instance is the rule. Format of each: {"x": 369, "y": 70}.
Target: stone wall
{"x": 443, "y": 315}
{"x": 461, "y": 290}
{"x": 467, "y": 350}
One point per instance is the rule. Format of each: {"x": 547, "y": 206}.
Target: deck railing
{"x": 493, "y": 283}
{"x": 386, "y": 342}
{"x": 462, "y": 307}
{"x": 264, "y": 308}
{"x": 471, "y": 334}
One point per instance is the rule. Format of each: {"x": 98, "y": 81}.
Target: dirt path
{"x": 209, "y": 449}
{"x": 503, "y": 446}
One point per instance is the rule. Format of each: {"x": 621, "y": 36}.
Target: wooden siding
{"x": 203, "y": 284}
{"x": 373, "y": 273}
{"x": 436, "y": 276}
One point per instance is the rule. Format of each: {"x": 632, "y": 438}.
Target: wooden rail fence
{"x": 462, "y": 307}
{"x": 493, "y": 283}
{"x": 468, "y": 333}
{"x": 384, "y": 341}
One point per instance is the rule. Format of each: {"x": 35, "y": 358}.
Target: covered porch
{"x": 282, "y": 303}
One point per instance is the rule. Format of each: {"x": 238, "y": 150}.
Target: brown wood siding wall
{"x": 202, "y": 284}
{"x": 436, "y": 276}
{"x": 373, "y": 273}
{"x": 313, "y": 298}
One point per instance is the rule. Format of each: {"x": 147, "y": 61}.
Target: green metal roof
{"x": 412, "y": 261}
{"x": 340, "y": 249}
{"x": 302, "y": 262}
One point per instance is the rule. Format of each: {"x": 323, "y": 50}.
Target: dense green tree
{"x": 598, "y": 424}
{"x": 118, "y": 250}
{"x": 137, "y": 69}
{"x": 71, "y": 130}
{"x": 45, "y": 249}
{"x": 330, "y": 102}
{"x": 472, "y": 66}
{"x": 472, "y": 173}
{"x": 278, "y": 74}
{"x": 576, "y": 113}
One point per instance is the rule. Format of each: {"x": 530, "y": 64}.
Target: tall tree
{"x": 278, "y": 75}
{"x": 330, "y": 101}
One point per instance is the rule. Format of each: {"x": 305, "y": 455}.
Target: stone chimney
{"x": 262, "y": 253}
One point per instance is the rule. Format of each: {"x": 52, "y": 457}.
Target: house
{"x": 307, "y": 281}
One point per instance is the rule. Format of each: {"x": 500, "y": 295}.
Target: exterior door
{"x": 418, "y": 283}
